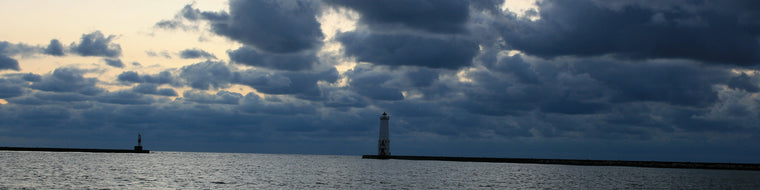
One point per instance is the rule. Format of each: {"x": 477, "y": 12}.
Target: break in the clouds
{"x": 97, "y": 44}
{"x": 652, "y": 80}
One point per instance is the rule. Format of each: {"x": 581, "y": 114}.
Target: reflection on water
{"x": 189, "y": 170}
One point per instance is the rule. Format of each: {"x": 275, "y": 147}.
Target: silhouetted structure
{"x": 139, "y": 143}
{"x": 384, "y": 143}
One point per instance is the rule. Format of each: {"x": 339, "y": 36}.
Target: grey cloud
{"x": 195, "y": 53}
{"x": 54, "y": 48}
{"x": 163, "y": 54}
{"x": 124, "y": 98}
{"x": 7, "y": 63}
{"x": 9, "y": 89}
{"x": 303, "y": 84}
{"x": 743, "y": 82}
{"x": 150, "y": 88}
{"x": 97, "y": 44}
{"x": 373, "y": 84}
{"x": 114, "y": 63}
{"x": 269, "y": 26}
{"x": 221, "y": 97}
{"x": 635, "y": 32}
{"x": 449, "y": 16}
{"x": 67, "y": 80}
{"x": 292, "y": 62}
{"x": 207, "y": 75}
{"x": 164, "y": 77}
{"x": 397, "y": 50}
{"x": 10, "y": 49}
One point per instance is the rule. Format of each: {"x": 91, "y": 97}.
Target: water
{"x": 190, "y": 170}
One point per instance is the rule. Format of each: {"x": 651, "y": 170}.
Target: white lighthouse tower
{"x": 384, "y": 143}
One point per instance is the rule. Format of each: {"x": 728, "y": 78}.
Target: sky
{"x": 672, "y": 80}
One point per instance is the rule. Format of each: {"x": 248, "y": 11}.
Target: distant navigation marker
{"x": 139, "y": 143}
{"x": 384, "y": 143}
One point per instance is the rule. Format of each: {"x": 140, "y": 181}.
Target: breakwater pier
{"x": 653, "y": 164}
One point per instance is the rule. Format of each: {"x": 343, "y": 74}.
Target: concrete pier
{"x": 74, "y": 150}
{"x": 653, "y": 164}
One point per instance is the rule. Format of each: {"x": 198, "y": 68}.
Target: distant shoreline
{"x": 73, "y": 150}
{"x": 651, "y": 164}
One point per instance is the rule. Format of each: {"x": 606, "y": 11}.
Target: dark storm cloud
{"x": 302, "y": 84}
{"x": 676, "y": 83}
{"x": 743, "y": 82}
{"x": 10, "y": 89}
{"x": 373, "y": 84}
{"x": 97, "y": 44}
{"x": 195, "y": 53}
{"x": 221, "y": 97}
{"x": 270, "y": 26}
{"x": 54, "y": 48}
{"x": 124, "y": 98}
{"x": 293, "y": 61}
{"x": 207, "y": 75}
{"x": 7, "y": 63}
{"x": 114, "y": 63}
{"x": 449, "y": 16}
{"x": 401, "y": 49}
{"x": 66, "y": 79}
{"x": 635, "y": 31}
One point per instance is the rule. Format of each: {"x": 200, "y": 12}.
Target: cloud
{"x": 114, "y": 63}
{"x": 269, "y": 26}
{"x": 164, "y": 77}
{"x": 10, "y": 89}
{"x": 67, "y": 79}
{"x": 96, "y": 44}
{"x": 124, "y": 98}
{"x": 302, "y": 84}
{"x": 292, "y": 62}
{"x": 207, "y": 75}
{"x": 164, "y": 54}
{"x": 221, "y": 97}
{"x": 7, "y": 63}
{"x": 398, "y": 50}
{"x": 635, "y": 31}
{"x": 195, "y": 53}
{"x": 448, "y": 16}
{"x": 11, "y": 49}
{"x": 743, "y": 82}
{"x": 54, "y": 48}
{"x": 150, "y": 88}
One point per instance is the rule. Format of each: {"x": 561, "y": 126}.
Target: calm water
{"x": 189, "y": 170}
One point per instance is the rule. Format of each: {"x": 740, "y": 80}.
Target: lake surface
{"x": 192, "y": 170}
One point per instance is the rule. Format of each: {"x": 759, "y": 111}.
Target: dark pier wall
{"x": 74, "y": 150}
{"x": 655, "y": 164}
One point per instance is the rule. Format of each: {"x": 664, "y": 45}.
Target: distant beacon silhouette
{"x": 384, "y": 143}
{"x": 139, "y": 143}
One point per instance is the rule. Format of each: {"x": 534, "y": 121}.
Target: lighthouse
{"x": 384, "y": 143}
